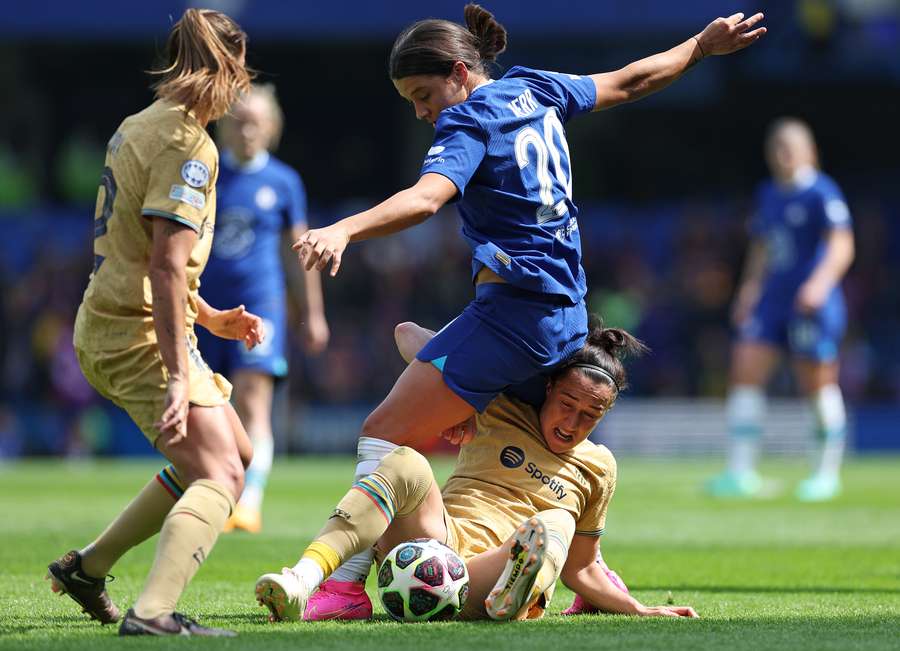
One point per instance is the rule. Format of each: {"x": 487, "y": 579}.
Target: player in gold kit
{"x": 528, "y": 491}
{"x": 134, "y": 333}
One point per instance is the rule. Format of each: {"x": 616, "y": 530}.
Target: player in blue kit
{"x": 500, "y": 152}
{"x": 260, "y": 200}
{"x": 790, "y": 297}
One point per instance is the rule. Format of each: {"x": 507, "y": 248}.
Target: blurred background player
{"x": 134, "y": 333}
{"x": 790, "y": 297}
{"x": 500, "y": 150}
{"x": 492, "y": 511}
{"x": 260, "y": 200}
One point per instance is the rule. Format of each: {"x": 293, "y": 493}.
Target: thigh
{"x": 210, "y": 450}
{"x": 484, "y": 570}
{"x": 241, "y": 438}
{"x": 752, "y": 362}
{"x": 428, "y": 521}
{"x": 420, "y": 406}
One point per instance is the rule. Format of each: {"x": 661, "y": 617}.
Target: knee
{"x": 379, "y": 425}
{"x": 407, "y": 336}
{"x": 410, "y": 475}
{"x": 245, "y": 452}
{"x": 234, "y": 476}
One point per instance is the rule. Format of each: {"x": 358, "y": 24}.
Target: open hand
{"x": 237, "y": 323}
{"x": 670, "y": 611}
{"x": 727, "y": 35}
{"x": 462, "y": 433}
{"x": 811, "y": 296}
{"x": 173, "y": 422}
{"x": 319, "y": 246}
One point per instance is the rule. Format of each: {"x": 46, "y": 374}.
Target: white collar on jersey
{"x": 253, "y": 165}
{"x": 803, "y": 178}
{"x": 482, "y": 85}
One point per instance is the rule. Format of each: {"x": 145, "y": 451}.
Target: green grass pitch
{"x": 763, "y": 575}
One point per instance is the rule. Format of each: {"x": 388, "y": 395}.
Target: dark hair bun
{"x": 614, "y": 341}
{"x": 489, "y": 34}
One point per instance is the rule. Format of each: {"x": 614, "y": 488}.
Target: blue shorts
{"x": 226, "y": 356}
{"x": 504, "y": 337}
{"x": 816, "y": 336}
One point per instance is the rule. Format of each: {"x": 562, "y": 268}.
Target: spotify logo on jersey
{"x": 512, "y": 457}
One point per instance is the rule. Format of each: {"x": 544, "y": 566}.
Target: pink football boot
{"x": 581, "y": 607}
{"x": 339, "y": 600}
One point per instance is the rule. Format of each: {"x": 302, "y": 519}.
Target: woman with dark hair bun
{"x": 524, "y": 507}
{"x": 500, "y": 152}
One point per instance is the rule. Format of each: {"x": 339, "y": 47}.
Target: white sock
{"x": 369, "y": 453}
{"x": 258, "y": 473}
{"x": 311, "y": 575}
{"x": 746, "y": 409}
{"x": 831, "y": 426}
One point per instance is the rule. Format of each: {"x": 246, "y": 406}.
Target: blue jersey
{"x": 257, "y": 202}
{"x": 794, "y": 222}
{"x": 505, "y": 150}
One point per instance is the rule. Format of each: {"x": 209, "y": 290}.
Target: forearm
{"x": 593, "y": 585}
{"x": 311, "y": 302}
{"x": 401, "y": 211}
{"x": 646, "y": 76}
{"x": 836, "y": 261}
{"x": 169, "y": 287}
{"x": 753, "y": 271}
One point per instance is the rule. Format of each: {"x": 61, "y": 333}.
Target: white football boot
{"x": 513, "y": 590}
{"x": 283, "y": 594}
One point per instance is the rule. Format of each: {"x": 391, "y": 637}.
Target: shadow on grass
{"x": 824, "y": 589}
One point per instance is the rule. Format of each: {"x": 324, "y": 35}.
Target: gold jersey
{"x": 159, "y": 163}
{"x": 507, "y": 474}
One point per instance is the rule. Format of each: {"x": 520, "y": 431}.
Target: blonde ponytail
{"x": 205, "y": 69}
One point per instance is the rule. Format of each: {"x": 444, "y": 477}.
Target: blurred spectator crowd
{"x": 666, "y": 272}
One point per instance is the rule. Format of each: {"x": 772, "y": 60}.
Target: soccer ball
{"x": 422, "y": 580}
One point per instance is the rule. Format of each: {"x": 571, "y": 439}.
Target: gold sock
{"x": 141, "y": 519}
{"x": 186, "y": 539}
{"x": 397, "y": 487}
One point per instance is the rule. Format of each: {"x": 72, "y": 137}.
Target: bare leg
{"x": 253, "y": 402}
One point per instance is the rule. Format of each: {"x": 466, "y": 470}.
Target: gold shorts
{"x": 135, "y": 379}
{"x": 467, "y": 538}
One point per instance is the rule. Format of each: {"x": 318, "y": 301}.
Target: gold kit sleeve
{"x": 181, "y": 181}
{"x": 603, "y": 484}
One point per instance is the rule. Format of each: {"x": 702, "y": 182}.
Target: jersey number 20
{"x": 546, "y": 151}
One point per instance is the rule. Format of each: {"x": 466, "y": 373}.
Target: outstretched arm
{"x": 652, "y": 74}
{"x": 584, "y": 576}
{"x": 317, "y": 247}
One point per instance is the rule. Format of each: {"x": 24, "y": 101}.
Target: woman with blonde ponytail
{"x": 134, "y": 333}
{"x": 500, "y": 152}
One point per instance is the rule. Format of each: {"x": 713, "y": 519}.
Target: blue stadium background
{"x": 664, "y": 188}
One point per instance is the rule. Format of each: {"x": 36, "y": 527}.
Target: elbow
{"x": 164, "y": 271}
{"x": 429, "y": 206}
